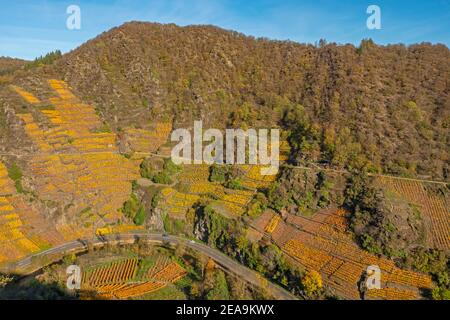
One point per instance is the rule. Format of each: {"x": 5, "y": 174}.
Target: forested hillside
{"x": 386, "y": 107}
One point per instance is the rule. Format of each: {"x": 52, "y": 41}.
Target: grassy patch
{"x": 170, "y": 292}
{"x": 173, "y": 226}
{"x": 15, "y": 174}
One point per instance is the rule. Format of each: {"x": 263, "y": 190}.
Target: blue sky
{"x": 31, "y": 28}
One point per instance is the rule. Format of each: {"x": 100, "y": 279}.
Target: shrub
{"x": 171, "y": 168}
{"x": 139, "y": 218}
{"x": 146, "y": 170}
{"x": 162, "y": 178}
{"x": 218, "y": 174}
{"x": 155, "y": 200}
{"x": 257, "y": 205}
{"x": 130, "y": 207}
{"x": 234, "y": 184}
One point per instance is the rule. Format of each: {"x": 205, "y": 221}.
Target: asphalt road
{"x": 221, "y": 259}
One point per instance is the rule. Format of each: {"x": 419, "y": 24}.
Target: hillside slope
{"x": 386, "y": 107}
{"x": 78, "y": 134}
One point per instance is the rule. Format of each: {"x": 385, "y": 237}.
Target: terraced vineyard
{"x": 253, "y": 178}
{"x": 177, "y": 203}
{"x": 117, "y": 280}
{"x": 75, "y": 161}
{"x": 6, "y": 184}
{"x": 112, "y": 274}
{"x": 256, "y": 232}
{"x": 435, "y": 208}
{"x": 170, "y": 273}
{"x": 195, "y": 179}
{"x": 319, "y": 243}
{"x": 26, "y": 95}
{"x": 148, "y": 141}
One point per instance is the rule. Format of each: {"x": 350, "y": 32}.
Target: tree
{"x": 305, "y": 135}
{"x": 4, "y": 280}
{"x": 311, "y": 284}
{"x": 440, "y": 293}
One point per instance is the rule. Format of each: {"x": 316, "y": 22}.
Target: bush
{"x": 302, "y": 192}
{"x": 146, "y": 170}
{"x": 162, "y": 178}
{"x": 219, "y": 287}
{"x": 140, "y": 216}
{"x": 311, "y": 284}
{"x": 14, "y": 172}
{"x": 155, "y": 200}
{"x": 218, "y": 173}
{"x": 370, "y": 245}
{"x": 257, "y": 205}
{"x": 440, "y": 293}
{"x": 133, "y": 209}
{"x": 171, "y": 168}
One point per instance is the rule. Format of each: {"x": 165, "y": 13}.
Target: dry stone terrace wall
{"x": 75, "y": 164}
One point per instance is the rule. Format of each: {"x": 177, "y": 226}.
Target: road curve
{"x": 221, "y": 259}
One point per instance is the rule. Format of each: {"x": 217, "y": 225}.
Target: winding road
{"x": 225, "y": 262}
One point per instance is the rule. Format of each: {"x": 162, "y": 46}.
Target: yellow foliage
{"x": 26, "y": 95}
{"x": 118, "y": 229}
{"x": 312, "y": 283}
